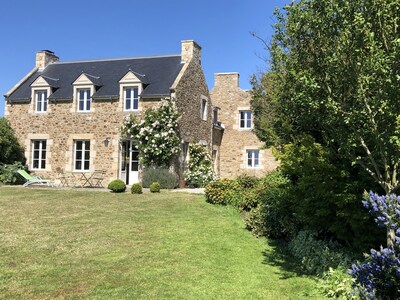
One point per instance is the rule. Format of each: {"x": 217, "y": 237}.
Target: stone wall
{"x": 60, "y": 127}
{"x": 228, "y": 96}
{"x": 189, "y": 90}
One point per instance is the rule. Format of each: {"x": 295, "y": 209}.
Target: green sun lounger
{"x": 33, "y": 179}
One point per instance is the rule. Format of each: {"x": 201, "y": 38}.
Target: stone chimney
{"x": 190, "y": 50}
{"x": 44, "y": 58}
{"x": 226, "y": 80}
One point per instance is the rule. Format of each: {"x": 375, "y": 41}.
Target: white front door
{"x": 129, "y": 167}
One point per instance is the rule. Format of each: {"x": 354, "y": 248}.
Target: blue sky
{"x": 87, "y": 29}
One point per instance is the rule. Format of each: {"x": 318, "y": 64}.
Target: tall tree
{"x": 10, "y": 150}
{"x": 335, "y": 76}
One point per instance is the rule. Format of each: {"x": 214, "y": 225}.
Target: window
{"x": 253, "y": 158}
{"x": 82, "y": 156}
{"x": 83, "y": 99}
{"x": 131, "y": 98}
{"x": 41, "y": 101}
{"x": 245, "y": 120}
{"x": 39, "y": 154}
{"x": 203, "y": 111}
{"x": 215, "y": 115}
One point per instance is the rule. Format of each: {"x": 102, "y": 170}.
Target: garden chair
{"x": 66, "y": 178}
{"x": 32, "y": 179}
{"x": 97, "y": 178}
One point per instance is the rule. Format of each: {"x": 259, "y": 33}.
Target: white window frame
{"x": 253, "y": 158}
{"x": 42, "y": 157}
{"x": 134, "y": 100}
{"x": 85, "y": 144}
{"x": 245, "y": 119}
{"x": 203, "y": 108}
{"x": 41, "y": 97}
{"x": 87, "y": 101}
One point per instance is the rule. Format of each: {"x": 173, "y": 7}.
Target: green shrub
{"x": 255, "y": 221}
{"x": 269, "y": 208}
{"x": 251, "y": 197}
{"x": 9, "y": 175}
{"x": 163, "y": 176}
{"x": 155, "y": 187}
{"x": 337, "y": 283}
{"x": 136, "y": 188}
{"x": 220, "y": 191}
{"x": 246, "y": 181}
{"x": 117, "y": 186}
{"x": 317, "y": 256}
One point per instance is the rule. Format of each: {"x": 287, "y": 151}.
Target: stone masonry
{"x": 62, "y": 124}
{"x": 236, "y": 141}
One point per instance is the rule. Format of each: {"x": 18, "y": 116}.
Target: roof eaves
{"x": 12, "y": 90}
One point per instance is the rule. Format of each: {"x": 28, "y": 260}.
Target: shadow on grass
{"x": 277, "y": 255}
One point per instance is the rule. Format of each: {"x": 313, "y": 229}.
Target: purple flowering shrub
{"x": 379, "y": 276}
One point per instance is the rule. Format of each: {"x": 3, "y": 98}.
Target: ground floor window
{"x": 253, "y": 158}
{"x": 39, "y": 154}
{"x": 82, "y": 155}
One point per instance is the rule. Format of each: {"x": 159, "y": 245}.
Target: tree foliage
{"x": 335, "y": 76}
{"x": 10, "y": 149}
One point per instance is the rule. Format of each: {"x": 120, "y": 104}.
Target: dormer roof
{"x": 156, "y": 73}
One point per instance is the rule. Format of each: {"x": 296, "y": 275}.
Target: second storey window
{"x": 84, "y": 100}
{"x": 131, "y": 98}
{"x": 203, "y": 109}
{"x": 39, "y": 154}
{"x": 82, "y": 155}
{"x": 253, "y": 158}
{"x": 245, "y": 119}
{"x": 41, "y": 101}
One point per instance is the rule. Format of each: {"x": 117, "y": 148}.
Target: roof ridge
{"x": 114, "y": 59}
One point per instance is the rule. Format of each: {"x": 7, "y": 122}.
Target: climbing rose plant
{"x": 378, "y": 277}
{"x": 200, "y": 171}
{"x": 156, "y": 134}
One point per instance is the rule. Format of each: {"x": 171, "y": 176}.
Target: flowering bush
{"x": 200, "y": 171}
{"x": 379, "y": 276}
{"x": 156, "y": 134}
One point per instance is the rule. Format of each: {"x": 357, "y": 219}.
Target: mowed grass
{"x": 57, "y": 244}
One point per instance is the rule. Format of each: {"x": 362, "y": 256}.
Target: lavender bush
{"x": 378, "y": 277}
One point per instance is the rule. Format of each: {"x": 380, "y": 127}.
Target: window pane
{"x": 135, "y": 103}
{"x": 36, "y": 154}
{"x": 81, "y": 104}
{"x": 79, "y": 145}
{"x": 79, "y": 155}
{"x": 135, "y": 166}
{"x": 128, "y": 104}
{"x": 43, "y": 164}
{"x": 87, "y": 155}
{"x": 86, "y": 165}
{"x": 78, "y": 165}
{"x": 35, "y": 164}
{"x": 87, "y": 145}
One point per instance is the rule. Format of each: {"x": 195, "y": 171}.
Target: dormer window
{"x": 84, "y": 100}
{"x": 41, "y": 90}
{"x": 130, "y": 89}
{"x": 41, "y": 101}
{"x": 131, "y": 98}
{"x": 85, "y": 86}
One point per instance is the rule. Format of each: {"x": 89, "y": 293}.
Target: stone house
{"x": 68, "y": 115}
{"x": 240, "y": 151}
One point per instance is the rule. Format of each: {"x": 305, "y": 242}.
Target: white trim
{"x": 203, "y": 107}
{"x": 83, "y": 160}
{"x": 40, "y": 158}
{"x": 253, "y": 159}
{"x": 246, "y": 119}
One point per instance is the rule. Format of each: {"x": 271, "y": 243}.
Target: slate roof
{"x": 157, "y": 73}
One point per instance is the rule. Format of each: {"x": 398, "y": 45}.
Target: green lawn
{"x": 98, "y": 245}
